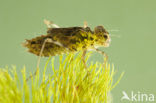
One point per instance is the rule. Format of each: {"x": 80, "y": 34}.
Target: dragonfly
{"x": 63, "y": 40}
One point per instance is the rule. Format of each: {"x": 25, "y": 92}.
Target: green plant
{"x": 71, "y": 83}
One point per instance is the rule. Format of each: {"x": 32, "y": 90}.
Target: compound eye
{"x": 105, "y": 36}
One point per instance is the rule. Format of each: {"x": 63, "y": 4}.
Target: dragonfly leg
{"x": 85, "y": 24}
{"x": 83, "y": 58}
{"x": 39, "y": 57}
{"x": 103, "y": 53}
{"x": 50, "y": 24}
{"x": 48, "y": 40}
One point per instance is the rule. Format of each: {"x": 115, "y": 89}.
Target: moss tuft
{"x": 71, "y": 83}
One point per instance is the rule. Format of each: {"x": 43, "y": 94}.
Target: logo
{"x": 137, "y": 97}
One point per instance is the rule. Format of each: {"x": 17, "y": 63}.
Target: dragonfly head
{"x": 103, "y": 38}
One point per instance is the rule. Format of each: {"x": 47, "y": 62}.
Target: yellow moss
{"x": 71, "y": 83}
